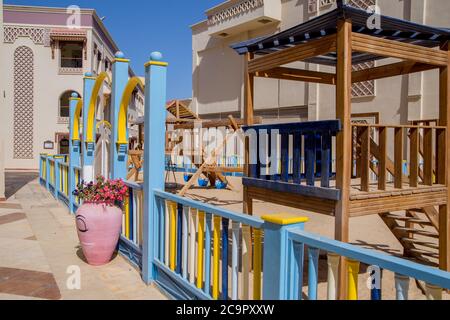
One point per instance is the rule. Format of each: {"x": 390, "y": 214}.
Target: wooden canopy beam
{"x": 300, "y": 52}
{"x": 396, "y": 49}
{"x": 385, "y": 71}
{"x": 298, "y": 75}
{"x": 390, "y": 70}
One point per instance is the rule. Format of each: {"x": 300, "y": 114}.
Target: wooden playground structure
{"x": 183, "y": 125}
{"x": 341, "y": 39}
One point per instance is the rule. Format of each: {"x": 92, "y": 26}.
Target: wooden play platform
{"x": 344, "y": 188}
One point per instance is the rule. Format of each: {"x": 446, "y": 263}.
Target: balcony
{"x": 234, "y": 16}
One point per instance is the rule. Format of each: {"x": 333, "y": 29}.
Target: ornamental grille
{"x": 39, "y": 36}
{"x": 365, "y": 88}
{"x": 234, "y": 11}
{"x": 23, "y": 103}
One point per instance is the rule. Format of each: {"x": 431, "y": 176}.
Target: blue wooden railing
{"x": 435, "y": 279}
{"x": 291, "y": 157}
{"x": 193, "y": 240}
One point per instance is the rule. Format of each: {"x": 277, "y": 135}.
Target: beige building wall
{"x": 218, "y": 71}
{"x": 2, "y": 155}
{"x": 49, "y": 81}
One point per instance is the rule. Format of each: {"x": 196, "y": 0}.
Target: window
{"x": 64, "y": 106}
{"x": 71, "y": 55}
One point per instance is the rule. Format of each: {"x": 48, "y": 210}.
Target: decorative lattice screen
{"x": 365, "y": 88}
{"x": 23, "y": 103}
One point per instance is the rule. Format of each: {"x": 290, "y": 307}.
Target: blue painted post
{"x": 74, "y": 151}
{"x": 47, "y": 183}
{"x": 313, "y": 272}
{"x": 297, "y": 170}
{"x": 118, "y": 159}
{"x": 58, "y": 160}
{"x": 285, "y": 157}
{"x": 276, "y": 254}
{"x": 88, "y": 147}
{"x": 296, "y": 271}
{"x": 310, "y": 158}
{"x": 154, "y": 155}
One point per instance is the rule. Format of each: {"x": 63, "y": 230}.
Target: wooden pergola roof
{"x": 326, "y": 25}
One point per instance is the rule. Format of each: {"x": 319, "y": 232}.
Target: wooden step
{"x": 424, "y": 253}
{"x": 421, "y": 243}
{"x": 409, "y": 219}
{"x": 420, "y": 232}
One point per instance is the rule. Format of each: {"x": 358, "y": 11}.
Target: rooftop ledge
{"x": 233, "y": 16}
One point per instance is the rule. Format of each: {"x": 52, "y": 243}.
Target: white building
{"x": 46, "y": 52}
{"x": 218, "y": 71}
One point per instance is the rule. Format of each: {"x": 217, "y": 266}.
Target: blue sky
{"x": 142, "y": 26}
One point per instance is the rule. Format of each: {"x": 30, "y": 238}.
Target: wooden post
{"x": 249, "y": 80}
{"x": 365, "y": 159}
{"x": 398, "y": 157}
{"x": 414, "y": 161}
{"x": 428, "y": 157}
{"x": 444, "y": 163}
{"x": 382, "y": 159}
{"x": 344, "y": 140}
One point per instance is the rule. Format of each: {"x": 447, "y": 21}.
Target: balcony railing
{"x": 230, "y": 16}
{"x": 71, "y": 66}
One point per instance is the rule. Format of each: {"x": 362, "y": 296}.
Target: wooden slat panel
{"x": 365, "y": 158}
{"x": 398, "y": 158}
{"x": 414, "y": 158}
{"x": 382, "y": 159}
{"x": 289, "y": 188}
{"x": 390, "y": 70}
{"x": 298, "y": 75}
{"x": 322, "y": 206}
{"x": 300, "y": 52}
{"x": 428, "y": 157}
{"x": 396, "y": 49}
{"x": 396, "y": 203}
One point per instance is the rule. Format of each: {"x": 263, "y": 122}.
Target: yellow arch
{"x": 93, "y": 103}
{"x": 76, "y": 121}
{"x": 123, "y": 111}
{"x": 105, "y": 123}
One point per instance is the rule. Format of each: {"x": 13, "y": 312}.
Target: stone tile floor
{"x": 39, "y": 244}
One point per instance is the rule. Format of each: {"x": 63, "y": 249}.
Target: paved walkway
{"x": 39, "y": 246}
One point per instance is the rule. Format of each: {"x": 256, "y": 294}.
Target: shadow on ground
{"x": 14, "y": 181}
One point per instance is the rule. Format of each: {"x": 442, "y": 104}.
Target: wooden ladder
{"x": 417, "y": 232}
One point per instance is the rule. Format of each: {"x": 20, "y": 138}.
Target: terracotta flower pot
{"x": 99, "y": 228}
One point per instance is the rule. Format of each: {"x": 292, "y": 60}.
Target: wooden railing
{"x": 193, "y": 244}
{"x": 399, "y": 156}
{"x": 435, "y": 279}
{"x": 293, "y": 158}
{"x": 132, "y": 224}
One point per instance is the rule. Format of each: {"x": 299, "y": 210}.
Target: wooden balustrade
{"x": 402, "y": 156}
{"x": 196, "y": 241}
{"x": 293, "y": 158}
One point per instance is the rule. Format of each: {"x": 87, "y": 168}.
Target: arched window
{"x": 64, "y": 104}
